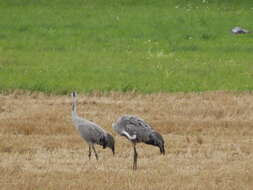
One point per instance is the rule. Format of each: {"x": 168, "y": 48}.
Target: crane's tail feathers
{"x": 126, "y": 134}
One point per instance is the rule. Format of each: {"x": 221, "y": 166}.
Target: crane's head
{"x": 157, "y": 140}
{"x": 74, "y": 94}
{"x": 110, "y": 143}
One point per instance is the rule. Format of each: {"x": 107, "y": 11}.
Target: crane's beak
{"x": 113, "y": 151}
{"x": 162, "y": 150}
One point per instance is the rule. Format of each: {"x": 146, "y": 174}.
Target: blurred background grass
{"x": 146, "y": 46}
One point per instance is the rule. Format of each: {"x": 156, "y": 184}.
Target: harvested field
{"x": 209, "y": 142}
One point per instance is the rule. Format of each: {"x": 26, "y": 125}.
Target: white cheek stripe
{"x": 128, "y": 136}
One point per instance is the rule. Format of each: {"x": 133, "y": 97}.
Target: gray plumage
{"x": 91, "y": 132}
{"x": 137, "y": 130}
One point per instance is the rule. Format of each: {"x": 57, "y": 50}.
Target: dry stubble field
{"x": 209, "y": 142}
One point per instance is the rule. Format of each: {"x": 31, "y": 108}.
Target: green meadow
{"x": 56, "y": 46}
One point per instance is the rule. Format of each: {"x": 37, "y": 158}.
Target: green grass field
{"x": 56, "y": 46}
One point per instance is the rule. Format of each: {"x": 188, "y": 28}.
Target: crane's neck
{"x": 74, "y": 114}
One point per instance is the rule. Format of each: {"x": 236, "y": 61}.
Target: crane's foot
{"x": 134, "y": 166}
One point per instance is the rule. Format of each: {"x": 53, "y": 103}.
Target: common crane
{"x": 91, "y": 132}
{"x": 137, "y": 130}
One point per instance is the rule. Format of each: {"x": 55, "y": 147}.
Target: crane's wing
{"x": 138, "y": 123}
{"x": 133, "y": 128}
{"x": 91, "y": 132}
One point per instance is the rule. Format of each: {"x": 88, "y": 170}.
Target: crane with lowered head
{"x": 137, "y": 130}
{"x": 91, "y": 132}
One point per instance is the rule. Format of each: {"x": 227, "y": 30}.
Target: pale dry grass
{"x": 209, "y": 142}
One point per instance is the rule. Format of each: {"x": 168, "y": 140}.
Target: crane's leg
{"x": 95, "y": 151}
{"x": 135, "y": 158}
{"x": 89, "y": 152}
